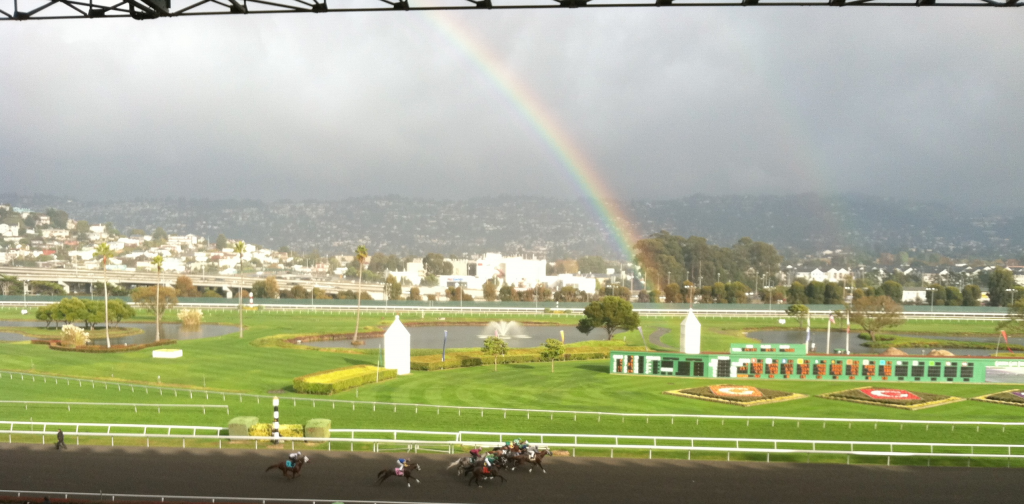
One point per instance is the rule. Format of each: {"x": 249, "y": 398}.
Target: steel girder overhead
{"x": 24, "y": 10}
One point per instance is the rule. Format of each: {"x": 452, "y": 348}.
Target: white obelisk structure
{"x": 397, "y": 347}
{"x": 689, "y": 334}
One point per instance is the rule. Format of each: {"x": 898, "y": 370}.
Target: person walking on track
{"x": 60, "y": 439}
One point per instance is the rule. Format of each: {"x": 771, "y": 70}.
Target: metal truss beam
{"x": 27, "y": 10}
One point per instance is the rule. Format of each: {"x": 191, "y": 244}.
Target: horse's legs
{"x": 541, "y": 467}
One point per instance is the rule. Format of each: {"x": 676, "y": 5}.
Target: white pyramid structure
{"x": 689, "y": 334}
{"x": 397, "y": 347}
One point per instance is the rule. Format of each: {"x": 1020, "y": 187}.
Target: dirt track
{"x": 338, "y": 476}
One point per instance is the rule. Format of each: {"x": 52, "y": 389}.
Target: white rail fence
{"x": 481, "y": 410}
{"x": 453, "y": 442}
{"x": 135, "y": 406}
{"x": 549, "y": 311}
{"x": 113, "y": 497}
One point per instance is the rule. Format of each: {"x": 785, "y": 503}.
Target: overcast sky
{"x": 927, "y": 103}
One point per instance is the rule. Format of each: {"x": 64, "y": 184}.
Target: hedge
{"x": 267, "y": 430}
{"x": 478, "y": 358}
{"x": 55, "y": 345}
{"x": 336, "y": 380}
{"x": 239, "y": 426}
{"x": 318, "y": 428}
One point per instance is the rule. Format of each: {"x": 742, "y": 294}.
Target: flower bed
{"x": 286, "y": 430}
{"x": 740, "y": 395}
{"x": 55, "y": 345}
{"x": 893, "y": 398}
{"x": 1012, "y": 397}
{"x": 336, "y": 380}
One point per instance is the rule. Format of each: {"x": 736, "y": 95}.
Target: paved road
{"x": 339, "y": 476}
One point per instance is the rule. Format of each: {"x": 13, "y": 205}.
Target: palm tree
{"x": 361, "y": 257}
{"x": 104, "y": 253}
{"x": 239, "y": 249}
{"x": 158, "y": 261}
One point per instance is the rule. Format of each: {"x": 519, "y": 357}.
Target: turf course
{"x": 248, "y": 365}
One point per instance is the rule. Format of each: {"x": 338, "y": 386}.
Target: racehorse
{"x": 407, "y": 472}
{"x": 288, "y": 467}
{"x": 538, "y": 456}
{"x": 464, "y": 464}
{"x": 477, "y": 472}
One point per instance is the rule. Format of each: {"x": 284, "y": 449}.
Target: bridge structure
{"x": 25, "y": 10}
{"x": 81, "y": 280}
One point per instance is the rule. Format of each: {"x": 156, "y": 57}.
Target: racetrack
{"x": 337, "y": 476}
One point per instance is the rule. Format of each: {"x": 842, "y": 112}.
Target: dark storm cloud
{"x": 665, "y": 102}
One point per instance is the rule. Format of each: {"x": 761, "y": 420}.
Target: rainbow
{"x": 532, "y": 109}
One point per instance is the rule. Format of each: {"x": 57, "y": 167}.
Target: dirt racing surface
{"x": 341, "y": 476}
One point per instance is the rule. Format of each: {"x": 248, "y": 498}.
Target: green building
{"x": 791, "y": 362}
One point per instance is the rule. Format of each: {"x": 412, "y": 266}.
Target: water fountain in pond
{"x": 504, "y": 330}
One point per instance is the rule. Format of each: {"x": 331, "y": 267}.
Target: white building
{"x": 9, "y": 230}
{"x": 511, "y": 270}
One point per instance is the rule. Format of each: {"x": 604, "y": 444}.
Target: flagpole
{"x": 808, "y": 342}
{"x": 828, "y": 336}
{"x": 847, "y": 331}
{"x": 444, "y": 345}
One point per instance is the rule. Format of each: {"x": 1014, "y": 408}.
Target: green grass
{"x": 229, "y": 363}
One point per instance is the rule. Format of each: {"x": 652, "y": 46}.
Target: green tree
{"x": 490, "y": 290}
{"x": 10, "y": 285}
{"x": 797, "y": 293}
{"x": 146, "y": 298}
{"x": 874, "y": 313}
{"x": 104, "y": 253}
{"x": 222, "y": 242}
{"x": 799, "y": 312}
{"x": 553, "y": 349}
{"x": 119, "y": 310}
{"x": 834, "y": 293}
{"x": 892, "y": 290}
{"x": 58, "y": 218}
{"x": 972, "y": 295}
{"x": 434, "y": 264}
{"x": 414, "y": 294}
{"x": 815, "y": 292}
{"x": 495, "y": 346}
{"x": 266, "y": 289}
{"x": 393, "y": 288}
{"x": 999, "y": 283}
{"x": 158, "y": 261}
{"x": 592, "y": 264}
{"x": 300, "y": 292}
{"x": 507, "y": 293}
{"x": 612, "y": 313}
{"x": 361, "y": 257}
{"x": 673, "y": 294}
{"x": 184, "y": 287}
{"x": 954, "y": 297}
{"x": 935, "y": 295}
{"x": 736, "y": 292}
{"x": 159, "y": 235}
{"x": 47, "y": 313}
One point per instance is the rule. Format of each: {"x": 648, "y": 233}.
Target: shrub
{"x": 477, "y": 358}
{"x": 190, "y": 318}
{"x": 267, "y": 430}
{"x": 336, "y": 380}
{"x": 239, "y": 426}
{"x": 73, "y": 336}
{"x": 318, "y": 428}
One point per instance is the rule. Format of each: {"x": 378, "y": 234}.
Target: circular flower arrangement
{"x": 735, "y": 391}
{"x": 890, "y": 394}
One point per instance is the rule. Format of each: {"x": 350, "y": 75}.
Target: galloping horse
{"x": 538, "y": 456}
{"x": 464, "y": 464}
{"x": 293, "y": 469}
{"x": 478, "y": 472}
{"x": 387, "y": 473}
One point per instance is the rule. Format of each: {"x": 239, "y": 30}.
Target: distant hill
{"x": 796, "y": 224}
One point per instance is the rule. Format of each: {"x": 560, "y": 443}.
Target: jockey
{"x": 294, "y": 459}
{"x": 489, "y": 461}
{"x": 474, "y": 455}
{"x": 402, "y": 464}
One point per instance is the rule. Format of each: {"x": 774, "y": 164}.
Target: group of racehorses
{"x": 504, "y": 457}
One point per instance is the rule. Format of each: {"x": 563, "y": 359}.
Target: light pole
{"x": 24, "y": 293}
{"x": 1012, "y": 292}
{"x": 932, "y": 297}
{"x": 459, "y": 284}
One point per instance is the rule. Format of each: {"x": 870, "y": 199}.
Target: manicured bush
{"x": 239, "y": 426}
{"x": 73, "y": 336}
{"x": 318, "y": 428}
{"x": 267, "y": 430}
{"x": 336, "y": 380}
{"x": 515, "y": 356}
